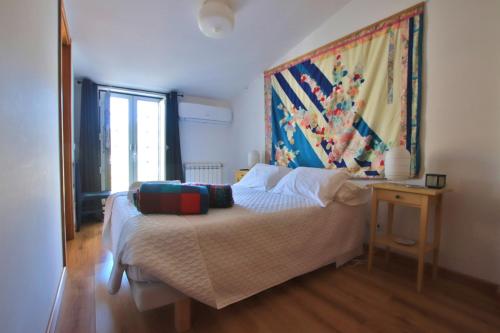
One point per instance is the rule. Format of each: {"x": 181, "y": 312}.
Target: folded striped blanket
{"x": 157, "y": 198}
{"x": 221, "y": 196}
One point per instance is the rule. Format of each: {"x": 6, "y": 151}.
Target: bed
{"x": 226, "y": 255}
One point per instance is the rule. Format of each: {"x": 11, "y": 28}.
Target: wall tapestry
{"x": 345, "y": 104}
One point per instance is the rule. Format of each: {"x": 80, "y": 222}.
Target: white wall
{"x": 248, "y": 123}
{"x": 30, "y": 227}
{"x": 460, "y": 118}
{"x": 201, "y": 142}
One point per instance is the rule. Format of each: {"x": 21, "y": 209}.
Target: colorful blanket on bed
{"x": 155, "y": 198}
{"x": 220, "y": 196}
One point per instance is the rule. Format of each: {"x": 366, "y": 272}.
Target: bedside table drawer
{"x": 400, "y": 197}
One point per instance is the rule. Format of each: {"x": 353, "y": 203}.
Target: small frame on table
{"x": 434, "y": 180}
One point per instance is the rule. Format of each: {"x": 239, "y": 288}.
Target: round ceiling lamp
{"x": 215, "y": 19}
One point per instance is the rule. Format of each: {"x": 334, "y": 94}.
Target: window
{"x": 133, "y": 138}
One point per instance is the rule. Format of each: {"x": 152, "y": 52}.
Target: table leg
{"x": 373, "y": 228}
{"x": 437, "y": 237}
{"x": 424, "y": 210}
{"x": 390, "y": 220}
{"x": 182, "y": 315}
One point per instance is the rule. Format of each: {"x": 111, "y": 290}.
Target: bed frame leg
{"x": 182, "y": 315}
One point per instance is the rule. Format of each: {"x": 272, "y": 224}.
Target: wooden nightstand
{"x": 240, "y": 174}
{"x": 396, "y": 194}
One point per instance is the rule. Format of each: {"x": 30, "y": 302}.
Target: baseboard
{"x": 54, "y": 314}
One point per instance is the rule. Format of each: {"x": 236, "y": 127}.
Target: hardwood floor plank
{"x": 77, "y": 313}
{"x": 380, "y": 312}
{"x": 348, "y": 299}
{"x": 423, "y": 303}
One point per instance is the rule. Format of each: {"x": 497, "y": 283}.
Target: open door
{"x": 65, "y": 130}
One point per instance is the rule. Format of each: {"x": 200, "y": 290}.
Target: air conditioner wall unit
{"x": 205, "y": 113}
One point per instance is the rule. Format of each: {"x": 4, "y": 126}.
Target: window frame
{"x": 133, "y": 96}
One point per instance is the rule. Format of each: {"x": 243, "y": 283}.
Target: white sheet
{"x": 231, "y": 254}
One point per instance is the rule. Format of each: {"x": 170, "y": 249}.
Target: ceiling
{"x": 156, "y": 44}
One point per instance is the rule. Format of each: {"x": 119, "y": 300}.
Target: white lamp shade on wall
{"x": 215, "y": 19}
{"x": 253, "y": 158}
{"x": 397, "y": 163}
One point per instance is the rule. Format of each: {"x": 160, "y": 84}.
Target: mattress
{"x": 230, "y": 254}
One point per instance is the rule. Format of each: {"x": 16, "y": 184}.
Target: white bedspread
{"x": 231, "y": 254}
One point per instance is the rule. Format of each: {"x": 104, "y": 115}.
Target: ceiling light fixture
{"x": 215, "y": 19}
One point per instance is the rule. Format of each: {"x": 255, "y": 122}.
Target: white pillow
{"x": 263, "y": 176}
{"x": 352, "y": 194}
{"x": 319, "y": 185}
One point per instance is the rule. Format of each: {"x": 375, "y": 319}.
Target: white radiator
{"x": 203, "y": 172}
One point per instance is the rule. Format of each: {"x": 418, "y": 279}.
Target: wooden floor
{"x": 348, "y": 299}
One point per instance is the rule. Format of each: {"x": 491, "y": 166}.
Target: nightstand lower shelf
{"x": 388, "y": 241}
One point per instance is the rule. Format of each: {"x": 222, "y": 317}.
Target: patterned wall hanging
{"x": 345, "y": 104}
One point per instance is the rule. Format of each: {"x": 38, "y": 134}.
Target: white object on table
{"x": 397, "y": 163}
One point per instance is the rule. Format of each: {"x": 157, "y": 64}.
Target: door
{"x": 134, "y": 139}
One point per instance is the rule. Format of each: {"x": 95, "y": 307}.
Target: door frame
{"x": 65, "y": 130}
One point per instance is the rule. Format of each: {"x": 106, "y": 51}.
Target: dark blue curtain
{"x": 87, "y": 162}
{"x": 173, "y": 158}
{"x": 89, "y": 150}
